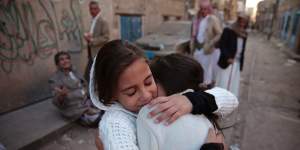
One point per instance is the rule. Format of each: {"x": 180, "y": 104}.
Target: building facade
{"x": 264, "y": 15}
{"x": 287, "y": 23}
{"x": 131, "y": 20}
{"x": 31, "y": 32}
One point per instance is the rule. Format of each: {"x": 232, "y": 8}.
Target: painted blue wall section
{"x": 286, "y": 24}
{"x": 295, "y": 30}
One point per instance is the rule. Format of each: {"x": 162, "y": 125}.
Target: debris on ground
{"x": 290, "y": 62}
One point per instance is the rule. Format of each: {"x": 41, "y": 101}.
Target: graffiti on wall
{"x": 30, "y": 29}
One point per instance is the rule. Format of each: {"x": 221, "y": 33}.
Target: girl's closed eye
{"x": 130, "y": 92}
{"x": 148, "y": 80}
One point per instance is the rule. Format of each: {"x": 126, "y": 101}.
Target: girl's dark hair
{"x": 112, "y": 59}
{"x": 57, "y": 55}
{"x": 176, "y": 73}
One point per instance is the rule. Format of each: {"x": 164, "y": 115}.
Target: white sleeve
{"x": 117, "y": 134}
{"x": 225, "y": 100}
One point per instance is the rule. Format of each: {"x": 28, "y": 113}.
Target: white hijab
{"x": 94, "y": 95}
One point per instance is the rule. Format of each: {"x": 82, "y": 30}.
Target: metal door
{"x": 131, "y": 27}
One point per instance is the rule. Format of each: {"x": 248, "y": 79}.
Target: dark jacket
{"x": 228, "y": 47}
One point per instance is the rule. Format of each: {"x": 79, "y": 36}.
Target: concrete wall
{"x": 31, "y": 32}
{"x": 265, "y": 15}
{"x": 172, "y": 7}
{"x": 153, "y": 17}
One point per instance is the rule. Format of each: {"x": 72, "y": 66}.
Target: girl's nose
{"x": 146, "y": 95}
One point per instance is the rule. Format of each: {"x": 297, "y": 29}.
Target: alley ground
{"x": 269, "y": 113}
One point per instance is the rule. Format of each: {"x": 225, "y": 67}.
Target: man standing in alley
{"x": 97, "y": 36}
{"x": 206, "y": 31}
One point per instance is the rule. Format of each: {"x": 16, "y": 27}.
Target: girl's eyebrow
{"x": 130, "y": 87}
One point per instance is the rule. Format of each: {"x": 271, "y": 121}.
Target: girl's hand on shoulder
{"x": 214, "y": 136}
{"x": 169, "y": 108}
{"x": 215, "y": 140}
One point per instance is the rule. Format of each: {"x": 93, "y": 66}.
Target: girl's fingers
{"x": 160, "y": 107}
{"x": 211, "y": 136}
{"x": 166, "y": 115}
{"x": 174, "y": 117}
{"x": 171, "y": 108}
{"x": 157, "y": 100}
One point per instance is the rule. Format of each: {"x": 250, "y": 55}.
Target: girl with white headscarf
{"x": 117, "y": 129}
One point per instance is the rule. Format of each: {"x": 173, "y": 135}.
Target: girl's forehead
{"x": 136, "y": 68}
{"x": 134, "y": 73}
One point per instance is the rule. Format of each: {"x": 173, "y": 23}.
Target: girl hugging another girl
{"x": 121, "y": 83}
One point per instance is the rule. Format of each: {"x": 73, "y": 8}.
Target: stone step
{"x": 32, "y": 125}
